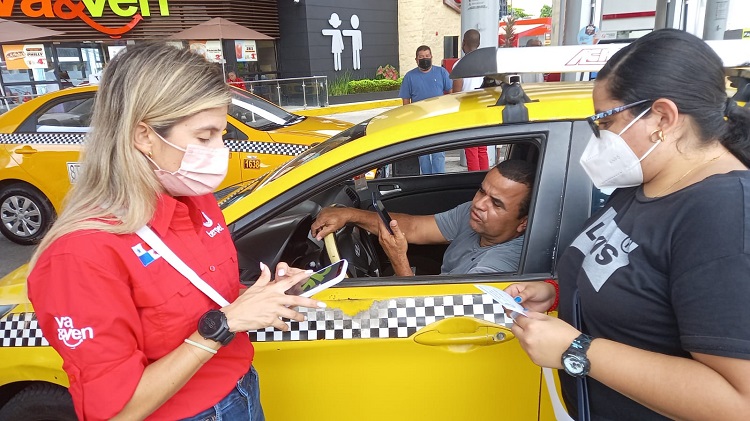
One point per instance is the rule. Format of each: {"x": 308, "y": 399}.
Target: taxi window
{"x": 73, "y": 115}
{"x": 258, "y": 113}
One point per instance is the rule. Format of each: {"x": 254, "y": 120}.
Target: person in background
{"x": 476, "y": 157}
{"x": 533, "y": 77}
{"x": 426, "y": 81}
{"x": 485, "y": 234}
{"x": 236, "y": 81}
{"x": 659, "y": 275}
{"x": 138, "y": 340}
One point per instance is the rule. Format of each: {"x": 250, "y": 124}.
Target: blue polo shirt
{"x": 418, "y": 85}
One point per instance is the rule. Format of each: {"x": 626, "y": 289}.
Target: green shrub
{"x": 340, "y": 85}
{"x": 369, "y": 85}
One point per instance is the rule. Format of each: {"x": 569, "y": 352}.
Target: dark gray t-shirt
{"x": 464, "y": 255}
{"x": 667, "y": 275}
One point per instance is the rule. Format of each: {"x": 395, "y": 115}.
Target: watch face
{"x": 574, "y": 364}
{"x": 210, "y": 323}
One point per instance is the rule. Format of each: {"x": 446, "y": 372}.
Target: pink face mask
{"x": 201, "y": 171}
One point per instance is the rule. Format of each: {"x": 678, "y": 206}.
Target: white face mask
{"x": 201, "y": 171}
{"x": 609, "y": 161}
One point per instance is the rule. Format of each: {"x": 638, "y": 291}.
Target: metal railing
{"x": 291, "y": 93}
{"x": 11, "y": 101}
{"x": 296, "y": 92}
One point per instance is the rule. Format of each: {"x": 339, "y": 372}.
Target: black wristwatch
{"x": 213, "y": 325}
{"x": 574, "y": 360}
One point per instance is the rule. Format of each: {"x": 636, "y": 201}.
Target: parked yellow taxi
{"x": 427, "y": 347}
{"x": 40, "y": 142}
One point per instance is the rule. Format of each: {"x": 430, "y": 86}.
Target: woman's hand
{"x": 544, "y": 338}
{"x": 266, "y": 303}
{"x": 284, "y": 271}
{"x": 535, "y": 296}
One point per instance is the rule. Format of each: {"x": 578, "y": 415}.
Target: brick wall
{"x": 424, "y": 22}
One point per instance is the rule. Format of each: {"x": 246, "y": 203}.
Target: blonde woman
{"x": 125, "y": 322}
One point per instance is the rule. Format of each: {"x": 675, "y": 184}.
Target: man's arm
{"x": 418, "y": 229}
{"x": 458, "y": 85}
{"x": 447, "y": 83}
{"x": 406, "y": 101}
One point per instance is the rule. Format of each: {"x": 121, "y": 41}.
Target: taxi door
{"x": 427, "y": 347}
{"x": 253, "y": 152}
{"x": 46, "y": 145}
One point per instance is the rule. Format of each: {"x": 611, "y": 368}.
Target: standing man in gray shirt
{"x": 485, "y": 235}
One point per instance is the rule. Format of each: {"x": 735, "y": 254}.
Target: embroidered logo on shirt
{"x": 606, "y": 249}
{"x": 207, "y": 222}
{"x": 216, "y": 230}
{"x": 145, "y": 256}
{"x": 69, "y": 334}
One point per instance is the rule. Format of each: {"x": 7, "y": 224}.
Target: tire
{"x": 25, "y": 214}
{"x": 40, "y": 402}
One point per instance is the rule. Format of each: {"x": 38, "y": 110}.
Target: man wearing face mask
{"x": 426, "y": 81}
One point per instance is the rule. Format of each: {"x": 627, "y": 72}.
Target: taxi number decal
{"x": 74, "y": 170}
{"x": 252, "y": 164}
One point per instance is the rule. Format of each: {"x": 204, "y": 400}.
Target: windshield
{"x": 258, "y": 113}
{"x": 238, "y": 191}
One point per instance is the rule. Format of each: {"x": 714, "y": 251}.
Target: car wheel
{"x": 40, "y": 402}
{"x": 25, "y": 214}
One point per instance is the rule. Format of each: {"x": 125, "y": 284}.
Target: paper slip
{"x": 503, "y": 298}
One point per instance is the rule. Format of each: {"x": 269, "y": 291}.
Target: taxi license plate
{"x": 74, "y": 170}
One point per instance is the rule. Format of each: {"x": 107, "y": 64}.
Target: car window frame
{"x": 545, "y": 194}
{"x": 29, "y": 125}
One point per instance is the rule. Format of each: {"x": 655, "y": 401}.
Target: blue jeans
{"x": 241, "y": 404}
{"x": 433, "y": 163}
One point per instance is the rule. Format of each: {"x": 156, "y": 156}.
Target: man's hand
{"x": 395, "y": 247}
{"x": 329, "y": 220}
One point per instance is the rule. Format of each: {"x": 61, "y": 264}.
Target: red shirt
{"x": 240, "y": 83}
{"x": 110, "y": 307}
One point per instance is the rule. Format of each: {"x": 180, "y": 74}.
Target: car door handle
{"x": 463, "y": 331}
{"x": 388, "y": 189}
{"x": 26, "y": 150}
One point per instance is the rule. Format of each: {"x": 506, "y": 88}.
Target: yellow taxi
{"x": 427, "y": 347}
{"x": 40, "y": 141}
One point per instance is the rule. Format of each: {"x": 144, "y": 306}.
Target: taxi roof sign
{"x": 491, "y": 61}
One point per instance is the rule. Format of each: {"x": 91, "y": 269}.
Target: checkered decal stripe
{"x": 265, "y": 147}
{"x": 290, "y": 149}
{"x": 42, "y": 138}
{"x": 21, "y": 329}
{"x": 396, "y": 318}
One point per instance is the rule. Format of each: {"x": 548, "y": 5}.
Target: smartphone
{"x": 380, "y": 209}
{"x": 324, "y": 278}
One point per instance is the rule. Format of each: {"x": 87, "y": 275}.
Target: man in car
{"x": 485, "y": 235}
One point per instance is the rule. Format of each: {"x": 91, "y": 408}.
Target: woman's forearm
{"x": 162, "y": 379}
{"x": 679, "y": 388}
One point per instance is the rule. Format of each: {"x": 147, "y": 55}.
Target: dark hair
{"x": 423, "y": 48}
{"x": 521, "y": 172}
{"x": 676, "y": 65}
{"x": 472, "y": 39}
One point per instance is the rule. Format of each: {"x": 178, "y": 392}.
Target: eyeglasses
{"x": 594, "y": 119}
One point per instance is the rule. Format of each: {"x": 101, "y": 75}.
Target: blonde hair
{"x": 153, "y": 83}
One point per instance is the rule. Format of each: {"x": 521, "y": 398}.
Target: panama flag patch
{"x": 145, "y": 256}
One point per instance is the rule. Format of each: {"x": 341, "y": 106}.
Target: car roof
{"x": 445, "y": 114}
{"x": 549, "y": 101}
